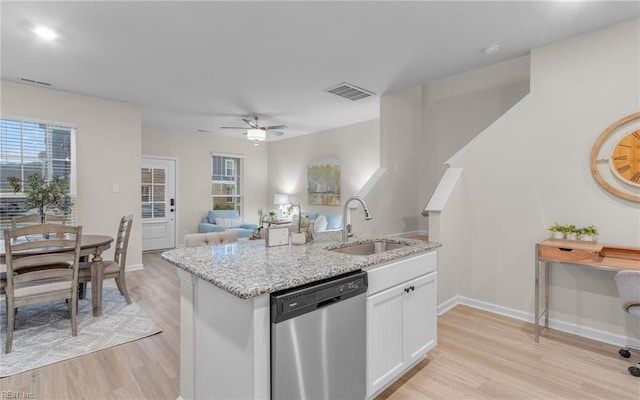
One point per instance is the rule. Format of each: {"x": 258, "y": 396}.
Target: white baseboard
{"x": 134, "y": 267}
{"x": 563, "y": 326}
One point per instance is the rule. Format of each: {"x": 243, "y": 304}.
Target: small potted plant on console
{"x": 589, "y": 233}
{"x": 557, "y": 231}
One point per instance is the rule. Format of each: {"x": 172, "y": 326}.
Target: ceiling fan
{"x": 256, "y": 132}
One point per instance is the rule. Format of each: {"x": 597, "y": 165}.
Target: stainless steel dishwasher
{"x": 318, "y": 340}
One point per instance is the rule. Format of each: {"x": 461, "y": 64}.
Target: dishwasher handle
{"x": 293, "y": 302}
{"x": 328, "y": 302}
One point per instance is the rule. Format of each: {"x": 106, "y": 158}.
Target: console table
{"x": 592, "y": 255}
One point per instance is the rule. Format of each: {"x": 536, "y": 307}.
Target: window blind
{"x": 226, "y": 188}
{"x": 28, "y": 148}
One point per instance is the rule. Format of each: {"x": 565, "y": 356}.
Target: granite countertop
{"x": 249, "y": 269}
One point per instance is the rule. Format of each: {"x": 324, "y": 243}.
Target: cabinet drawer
{"x": 568, "y": 254}
{"x": 384, "y": 276}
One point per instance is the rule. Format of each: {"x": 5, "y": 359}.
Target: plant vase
{"x": 298, "y": 238}
{"x": 557, "y": 235}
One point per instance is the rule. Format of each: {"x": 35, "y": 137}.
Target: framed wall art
{"x": 324, "y": 182}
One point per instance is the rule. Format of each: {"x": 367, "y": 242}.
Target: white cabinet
{"x": 401, "y": 324}
{"x": 419, "y": 315}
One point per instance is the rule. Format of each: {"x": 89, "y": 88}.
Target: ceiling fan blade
{"x": 253, "y": 124}
{"x": 276, "y": 127}
{"x": 233, "y": 127}
{"x": 277, "y": 133}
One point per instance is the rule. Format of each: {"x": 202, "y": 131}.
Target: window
{"x": 230, "y": 167}
{"x": 226, "y": 189}
{"x": 28, "y": 148}
{"x": 154, "y": 189}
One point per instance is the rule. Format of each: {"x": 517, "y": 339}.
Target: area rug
{"x": 42, "y": 334}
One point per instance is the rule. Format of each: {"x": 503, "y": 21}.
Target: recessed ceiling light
{"x": 491, "y": 49}
{"x": 45, "y": 33}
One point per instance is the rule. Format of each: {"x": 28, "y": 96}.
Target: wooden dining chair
{"x": 3, "y": 282}
{"x": 41, "y": 285}
{"x": 113, "y": 268}
{"x": 33, "y": 219}
{"x": 24, "y": 220}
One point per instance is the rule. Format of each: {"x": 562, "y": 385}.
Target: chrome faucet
{"x": 346, "y": 216}
{"x": 290, "y": 211}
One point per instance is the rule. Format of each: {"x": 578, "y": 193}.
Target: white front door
{"x": 158, "y": 201}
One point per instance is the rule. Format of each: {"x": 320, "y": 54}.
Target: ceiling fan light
{"x": 256, "y": 134}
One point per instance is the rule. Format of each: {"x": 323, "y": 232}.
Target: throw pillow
{"x": 320, "y": 224}
{"x": 229, "y": 222}
{"x": 334, "y": 221}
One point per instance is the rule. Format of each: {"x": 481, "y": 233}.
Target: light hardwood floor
{"x": 480, "y": 355}
{"x": 144, "y": 369}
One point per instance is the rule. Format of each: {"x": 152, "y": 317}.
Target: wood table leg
{"x": 97, "y": 270}
{"x": 82, "y": 287}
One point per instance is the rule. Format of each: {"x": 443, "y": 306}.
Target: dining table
{"x": 90, "y": 246}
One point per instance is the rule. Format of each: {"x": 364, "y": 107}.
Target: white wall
{"x": 533, "y": 170}
{"x": 193, "y": 154}
{"x": 400, "y": 143}
{"x": 422, "y": 127}
{"x": 358, "y": 148}
{"x": 108, "y": 152}
{"x": 458, "y": 108}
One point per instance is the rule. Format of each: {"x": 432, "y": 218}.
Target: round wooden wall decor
{"x": 615, "y": 158}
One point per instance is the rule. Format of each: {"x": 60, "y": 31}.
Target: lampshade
{"x": 280, "y": 199}
{"x": 256, "y": 134}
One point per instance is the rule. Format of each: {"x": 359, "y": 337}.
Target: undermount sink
{"x": 369, "y": 248}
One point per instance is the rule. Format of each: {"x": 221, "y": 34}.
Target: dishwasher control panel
{"x": 296, "y": 301}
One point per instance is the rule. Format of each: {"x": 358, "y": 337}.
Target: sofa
{"x": 324, "y": 222}
{"x": 209, "y": 239}
{"x": 226, "y": 220}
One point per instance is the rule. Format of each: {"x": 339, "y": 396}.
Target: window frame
{"x": 51, "y": 125}
{"x": 234, "y": 199}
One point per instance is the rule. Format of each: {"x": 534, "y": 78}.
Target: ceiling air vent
{"x": 349, "y": 91}
{"x": 34, "y": 82}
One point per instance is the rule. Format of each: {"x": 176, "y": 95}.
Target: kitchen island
{"x": 225, "y": 320}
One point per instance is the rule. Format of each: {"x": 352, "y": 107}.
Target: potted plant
{"x": 557, "y": 231}
{"x": 589, "y": 233}
{"x": 42, "y": 195}
{"x": 571, "y": 232}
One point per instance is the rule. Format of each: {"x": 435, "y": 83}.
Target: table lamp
{"x": 280, "y": 199}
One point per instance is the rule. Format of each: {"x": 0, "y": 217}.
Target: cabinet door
{"x": 419, "y": 317}
{"x": 384, "y": 338}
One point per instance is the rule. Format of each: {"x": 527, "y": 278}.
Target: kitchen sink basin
{"x": 369, "y": 248}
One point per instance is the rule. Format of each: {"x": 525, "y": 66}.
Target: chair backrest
{"x": 122, "y": 240}
{"x": 210, "y": 238}
{"x": 628, "y": 283}
{"x": 25, "y": 220}
{"x": 50, "y": 218}
{"x": 32, "y": 219}
{"x": 27, "y": 248}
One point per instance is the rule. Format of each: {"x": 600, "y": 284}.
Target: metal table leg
{"x": 536, "y": 315}
{"x": 546, "y": 294}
